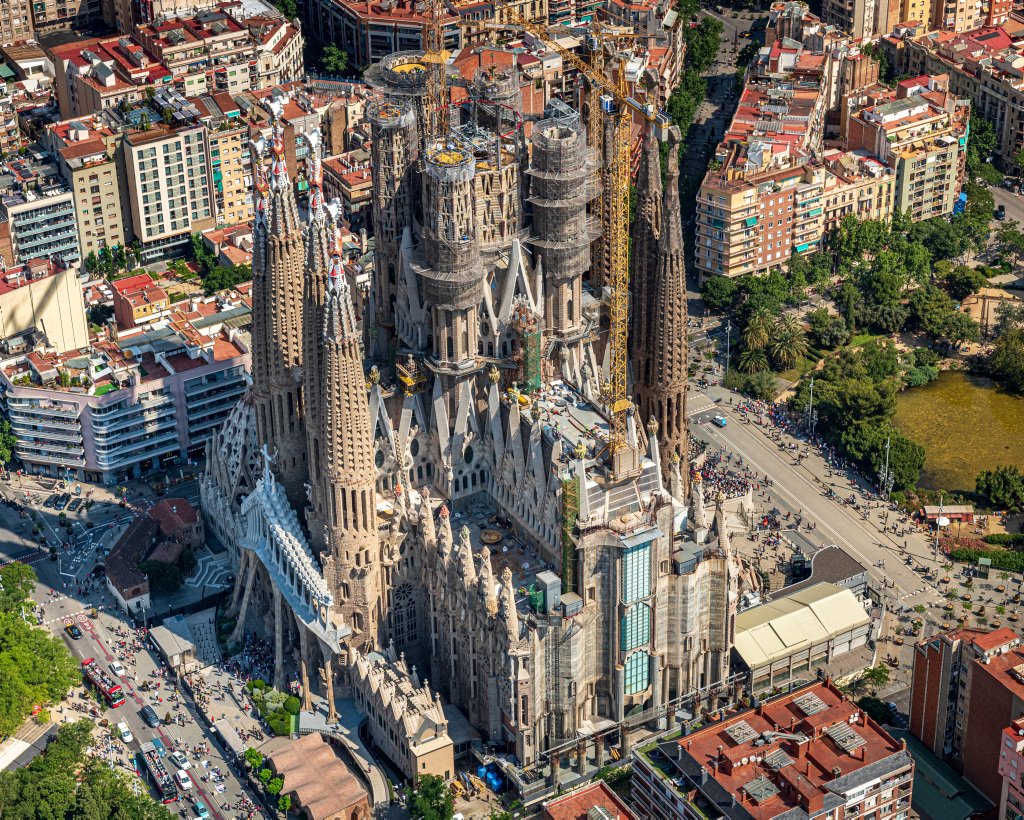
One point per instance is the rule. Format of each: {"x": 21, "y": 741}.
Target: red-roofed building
{"x": 139, "y": 300}
{"x": 178, "y": 521}
{"x": 944, "y": 666}
{"x": 578, "y": 804}
{"x": 809, "y": 753}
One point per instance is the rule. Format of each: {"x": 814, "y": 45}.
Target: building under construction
{"x": 477, "y": 492}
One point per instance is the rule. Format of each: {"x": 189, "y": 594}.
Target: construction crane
{"x": 435, "y": 57}
{"x": 617, "y": 102}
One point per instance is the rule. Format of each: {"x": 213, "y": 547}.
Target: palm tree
{"x": 787, "y": 348}
{"x": 788, "y": 324}
{"x": 752, "y": 361}
{"x": 758, "y": 331}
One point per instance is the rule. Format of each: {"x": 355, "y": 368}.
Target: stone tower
{"x": 559, "y": 188}
{"x": 643, "y": 261}
{"x": 320, "y": 236}
{"x": 394, "y": 149}
{"x": 353, "y": 564}
{"x": 660, "y": 382}
{"x": 277, "y": 321}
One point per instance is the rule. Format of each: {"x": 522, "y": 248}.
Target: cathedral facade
{"x": 433, "y": 475}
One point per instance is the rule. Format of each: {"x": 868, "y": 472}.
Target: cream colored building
{"x": 230, "y": 157}
{"x": 404, "y": 718}
{"x": 789, "y": 638}
{"x": 169, "y": 186}
{"x": 85, "y": 151}
{"x": 43, "y": 295}
{"x": 15, "y": 21}
{"x": 856, "y": 184}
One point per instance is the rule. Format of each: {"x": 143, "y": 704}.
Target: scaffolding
{"x": 570, "y": 513}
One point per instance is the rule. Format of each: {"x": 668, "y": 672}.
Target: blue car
{"x": 199, "y": 807}
{"x": 719, "y": 421}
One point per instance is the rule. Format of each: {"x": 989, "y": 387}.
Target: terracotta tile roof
{"x": 172, "y": 514}
{"x": 577, "y": 804}
{"x": 318, "y": 778}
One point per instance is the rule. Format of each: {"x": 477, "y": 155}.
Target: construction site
{"x": 539, "y": 546}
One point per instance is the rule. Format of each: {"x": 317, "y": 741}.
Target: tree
{"x": 1003, "y": 487}
{"x": 63, "y": 782}
{"x": 1008, "y": 359}
{"x": 284, "y": 803}
{"x": 7, "y": 443}
{"x": 758, "y": 332}
{"x": 92, "y": 263}
{"x": 961, "y": 328}
{"x": 718, "y": 293}
{"x": 962, "y": 281}
{"x": 333, "y": 60}
{"x": 162, "y": 577}
{"x": 253, "y": 758}
{"x": 264, "y": 776}
{"x": 432, "y": 799}
{"x": 274, "y": 786}
{"x": 877, "y": 675}
{"x": 752, "y": 361}
{"x": 875, "y": 709}
{"x": 288, "y": 8}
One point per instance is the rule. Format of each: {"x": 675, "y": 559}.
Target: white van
{"x": 125, "y": 732}
{"x": 184, "y": 781}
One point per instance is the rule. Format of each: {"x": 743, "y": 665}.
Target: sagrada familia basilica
{"x": 422, "y": 469}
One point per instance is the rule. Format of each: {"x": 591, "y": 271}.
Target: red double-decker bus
{"x": 104, "y": 684}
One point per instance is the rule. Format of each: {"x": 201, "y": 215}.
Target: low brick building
{"x": 178, "y": 521}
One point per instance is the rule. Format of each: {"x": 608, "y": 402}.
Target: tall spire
{"x": 277, "y": 352}
{"x": 318, "y": 231}
{"x": 644, "y": 233}
{"x": 348, "y": 472}
{"x": 660, "y": 382}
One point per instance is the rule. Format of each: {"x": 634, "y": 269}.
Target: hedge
{"x": 1001, "y": 559}
{"x": 1005, "y": 539}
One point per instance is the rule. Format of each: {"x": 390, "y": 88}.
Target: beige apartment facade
{"x": 169, "y": 186}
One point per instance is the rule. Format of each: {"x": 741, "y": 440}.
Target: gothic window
{"x": 636, "y": 572}
{"x": 403, "y": 616}
{"x": 378, "y": 459}
{"x": 414, "y": 447}
{"x": 638, "y": 672}
{"x": 636, "y": 627}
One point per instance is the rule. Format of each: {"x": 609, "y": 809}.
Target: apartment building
{"x": 41, "y": 297}
{"x": 230, "y": 156}
{"x": 369, "y": 31}
{"x": 858, "y": 18}
{"x": 138, "y": 300}
{"x": 40, "y": 211}
{"x": 50, "y": 15}
{"x": 774, "y": 190}
{"x": 210, "y": 51}
{"x": 922, "y": 135}
{"x": 169, "y": 185}
{"x": 940, "y": 688}
{"x": 1011, "y": 769}
{"x": 984, "y": 66}
{"x": 809, "y": 753}
{"x": 16, "y": 21}
{"x": 857, "y": 184}
{"x": 204, "y": 53}
{"x": 128, "y": 405}
{"x": 87, "y": 154}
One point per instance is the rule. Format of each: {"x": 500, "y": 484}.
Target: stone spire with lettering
{"x": 660, "y": 383}
{"x": 643, "y": 258}
{"x": 353, "y": 564}
{"x": 277, "y": 348}
{"x": 321, "y": 237}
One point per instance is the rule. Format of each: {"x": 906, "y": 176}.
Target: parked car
{"x": 184, "y": 781}
{"x": 199, "y": 807}
{"x": 149, "y": 716}
{"x": 179, "y": 760}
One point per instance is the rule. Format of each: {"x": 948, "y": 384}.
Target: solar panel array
{"x": 741, "y": 732}
{"x": 845, "y": 737}
{"x": 810, "y": 704}
{"x": 778, "y": 760}
{"x": 761, "y": 789}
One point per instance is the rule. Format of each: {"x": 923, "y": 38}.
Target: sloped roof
{"x": 776, "y": 630}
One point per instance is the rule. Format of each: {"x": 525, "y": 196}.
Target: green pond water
{"x": 965, "y": 424}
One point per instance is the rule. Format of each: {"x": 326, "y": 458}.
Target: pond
{"x": 966, "y": 424}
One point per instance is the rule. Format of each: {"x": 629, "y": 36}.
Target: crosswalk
{"x": 693, "y": 411}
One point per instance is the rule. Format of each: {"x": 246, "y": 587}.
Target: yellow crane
{"x": 617, "y": 102}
